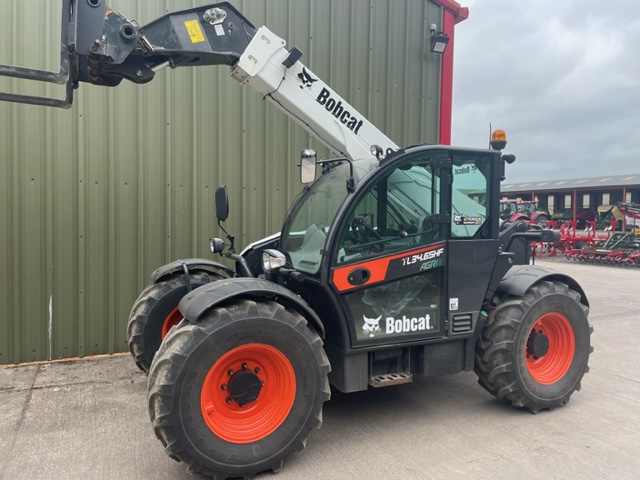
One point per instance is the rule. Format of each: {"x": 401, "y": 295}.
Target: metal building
{"x": 574, "y": 194}
{"x": 92, "y": 199}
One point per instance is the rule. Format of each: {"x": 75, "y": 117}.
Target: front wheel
{"x": 534, "y": 350}
{"x": 234, "y": 394}
{"x": 156, "y": 311}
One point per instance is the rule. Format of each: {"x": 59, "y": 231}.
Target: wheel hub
{"x": 248, "y": 392}
{"x": 244, "y": 386}
{"x": 538, "y": 344}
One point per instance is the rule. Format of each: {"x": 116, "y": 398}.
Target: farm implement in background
{"x": 599, "y": 243}
{"x": 621, "y": 248}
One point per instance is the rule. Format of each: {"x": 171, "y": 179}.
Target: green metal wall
{"x": 94, "y": 198}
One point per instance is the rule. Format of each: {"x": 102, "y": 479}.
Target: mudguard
{"x": 199, "y": 301}
{"x": 520, "y": 277}
{"x": 191, "y": 264}
{"x": 518, "y": 217}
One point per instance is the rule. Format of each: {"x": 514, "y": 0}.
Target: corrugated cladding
{"x": 92, "y": 199}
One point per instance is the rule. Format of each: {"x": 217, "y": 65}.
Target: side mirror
{"x": 222, "y": 203}
{"x": 307, "y": 166}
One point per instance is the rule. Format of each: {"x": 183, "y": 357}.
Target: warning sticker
{"x": 194, "y": 31}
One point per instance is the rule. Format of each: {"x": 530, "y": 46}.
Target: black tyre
{"x": 542, "y": 221}
{"x": 156, "y": 311}
{"x": 234, "y": 394}
{"x": 534, "y": 350}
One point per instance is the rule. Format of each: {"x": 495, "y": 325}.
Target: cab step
{"x": 388, "y": 379}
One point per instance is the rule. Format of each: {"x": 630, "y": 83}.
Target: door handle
{"x": 358, "y": 276}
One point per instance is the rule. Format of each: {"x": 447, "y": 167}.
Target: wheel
{"x": 542, "y": 221}
{"x": 234, "y": 394}
{"x": 156, "y": 311}
{"x": 534, "y": 350}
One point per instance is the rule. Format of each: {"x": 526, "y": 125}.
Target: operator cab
{"x": 377, "y": 252}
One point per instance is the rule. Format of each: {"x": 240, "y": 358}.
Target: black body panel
{"x": 202, "y": 299}
{"x": 471, "y": 263}
{"x": 518, "y": 280}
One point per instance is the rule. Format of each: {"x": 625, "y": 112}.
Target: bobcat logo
{"x": 306, "y": 79}
{"x": 371, "y": 325}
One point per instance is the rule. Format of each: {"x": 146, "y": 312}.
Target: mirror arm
{"x": 230, "y": 237}
{"x": 351, "y": 182}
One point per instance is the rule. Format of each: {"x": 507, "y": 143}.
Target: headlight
{"x": 216, "y": 245}
{"x": 272, "y": 260}
{"x": 376, "y": 151}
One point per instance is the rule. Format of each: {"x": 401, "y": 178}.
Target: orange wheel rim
{"x": 550, "y": 348}
{"x": 248, "y": 393}
{"x": 170, "y": 320}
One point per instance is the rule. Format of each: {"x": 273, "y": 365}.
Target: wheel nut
{"x": 257, "y": 369}
{"x": 229, "y": 372}
{"x": 244, "y": 365}
{"x": 223, "y": 386}
{"x": 228, "y": 399}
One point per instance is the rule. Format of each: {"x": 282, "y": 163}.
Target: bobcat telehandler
{"x": 392, "y": 263}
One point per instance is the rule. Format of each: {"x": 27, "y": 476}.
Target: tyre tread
{"x": 142, "y": 307}
{"x": 494, "y": 363}
{"x": 183, "y": 339}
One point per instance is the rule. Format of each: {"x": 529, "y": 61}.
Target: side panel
{"x": 471, "y": 263}
{"x": 401, "y": 300}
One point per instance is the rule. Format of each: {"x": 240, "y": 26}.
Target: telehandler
{"x": 393, "y": 263}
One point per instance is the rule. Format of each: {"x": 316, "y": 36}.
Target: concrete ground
{"x": 88, "y": 419}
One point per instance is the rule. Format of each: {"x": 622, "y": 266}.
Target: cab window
{"x": 393, "y": 214}
{"x": 470, "y": 187}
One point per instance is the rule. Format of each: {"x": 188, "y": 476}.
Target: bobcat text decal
{"x": 406, "y": 325}
{"x": 338, "y": 111}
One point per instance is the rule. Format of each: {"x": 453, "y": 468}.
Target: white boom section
{"x": 306, "y": 98}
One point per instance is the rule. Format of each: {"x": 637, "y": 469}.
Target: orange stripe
{"x": 377, "y": 267}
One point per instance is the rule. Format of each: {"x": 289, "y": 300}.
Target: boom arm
{"x": 103, "y": 47}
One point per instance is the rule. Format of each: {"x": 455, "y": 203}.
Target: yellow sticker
{"x": 194, "y": 31}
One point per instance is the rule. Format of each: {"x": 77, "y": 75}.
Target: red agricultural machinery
{"x": 618, "y": 248}
{"x": 518, "y": 210}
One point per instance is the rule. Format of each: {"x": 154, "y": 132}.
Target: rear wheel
{"x": 156, "y": 311}
{"x": 234, "y": 394}
{"x": 534, "y": 350}
{"x": 542, "y": 221}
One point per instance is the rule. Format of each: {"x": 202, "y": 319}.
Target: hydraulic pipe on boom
{"x": 103, "y": 47}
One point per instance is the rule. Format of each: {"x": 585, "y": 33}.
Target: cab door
{"x": 388, "y": 265}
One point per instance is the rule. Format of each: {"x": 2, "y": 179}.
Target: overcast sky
{"x": 561, "y": 77}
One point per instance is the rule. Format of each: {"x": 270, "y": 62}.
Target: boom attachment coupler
{"x": 101, "y": 46}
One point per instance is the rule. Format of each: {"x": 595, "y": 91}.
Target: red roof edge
{"x": 460, "y": 13}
